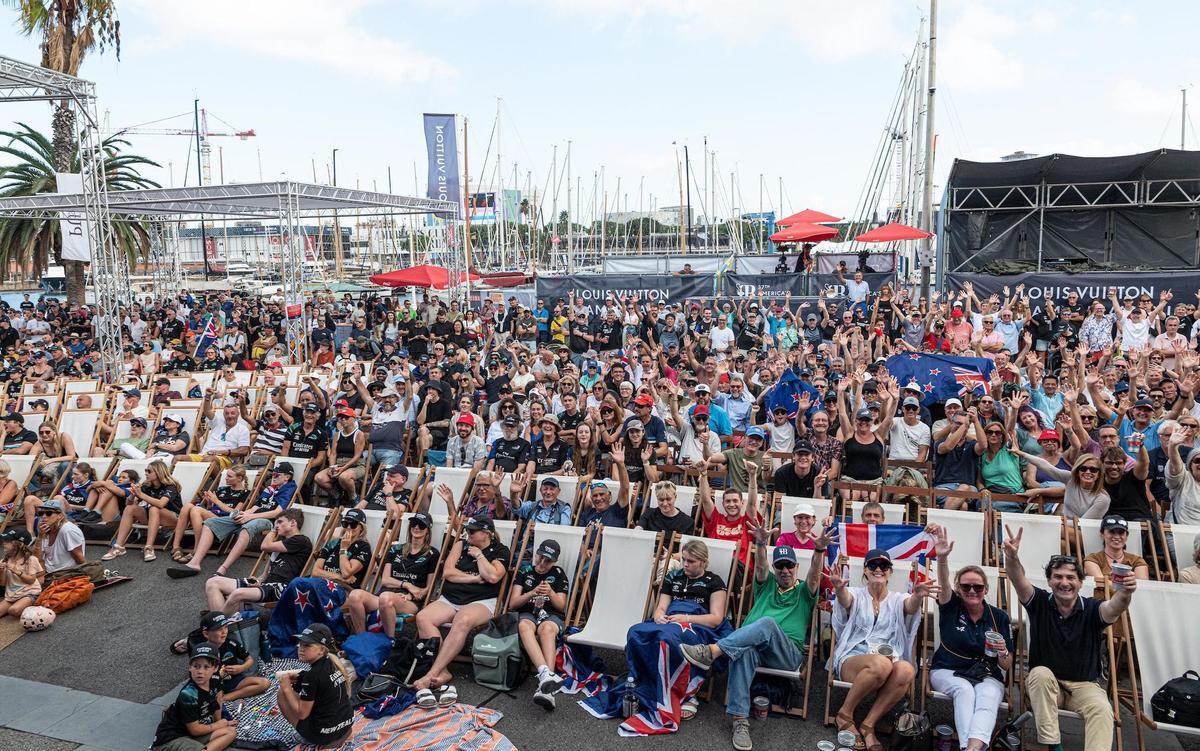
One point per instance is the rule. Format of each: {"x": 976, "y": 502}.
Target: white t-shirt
{"x": 906, "y": 440}
{"x": 221, "y": 438}
{"x": 58, "y": 556}
{"x": 783, "y": 437}
{"x": 691, "y": 448}
{"x": 1185, "y": 497}
{"x": 721, "y": 338}
{"x": 1134, "y": 334}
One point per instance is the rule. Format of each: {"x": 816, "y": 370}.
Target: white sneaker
{"x": 549, "y": 682}
{"x": 543, "y": 700}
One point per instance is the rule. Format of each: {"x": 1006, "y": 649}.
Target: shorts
{"x": 268, "y": 591}
{"x": 549, "y": 617}
{"x": 186, "y": 743}
{"x": 18, "y": 598}
{"x": 223, "y": 461}
{"x": 223, "y": 526}
{"x": 230, "y": 682}
{"x": 357, "y": 472}
{"x": 489, "y": 603}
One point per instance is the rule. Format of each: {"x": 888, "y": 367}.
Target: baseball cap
{"x": 270, "y": 408}
{"x": 135, "y": 393}
{"x": 635, "y": 424}
{"x": 644, "y": 400}
{"x": 1121, "y": 387}
{"x": 51, "y": 505}
{"x": 312, "y": 407}
{"x": 1048, "y": 435}
{"x": 802, "y": 448}
{"x": 811, "y": 317}
{"x": 954, "y": 401}
{"x": 213, "y": 619}
{"x": 911, "y": 401}
{"x": 174, "y": 417}
{"x": 139, "y": 421}
{"x": 702, "y": 388}
{"x": 283, "y": 468}
{"x": 422, "y": 519}
{"x": 550, "y": 550}
{"x": 805, "y": 509}
{"x": 863, "y": 414}
{"x": 317, "y": 633}
{"x": 398, "y": 469}
{"x": 914, "y": 386}
{"x": 550, "y": 481}
{"x": 19, "y": 534}
{"x": 480, "y": 522}
{"x": 783, "y": 553}
{"x": 1114, "y": 521}
{"x": 204, "y": 651}
{"x": 354, "y": 515}
{"x": 700, "y": 411}
{"x": 1143, "y": 403}
{"x": 346, "y": 412}
{"x": 755, "y": 431}
{"x": 15, "y": 417}
{"x": 875, "y": 554}
{"x": 466, "y": 418}
{"x": 956, "y": 313}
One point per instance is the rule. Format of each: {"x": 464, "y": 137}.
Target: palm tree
{"x": 69, "y": 29}
{"x": 32, "y": 242}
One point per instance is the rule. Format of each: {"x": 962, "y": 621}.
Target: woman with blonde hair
{"x": 8, "y": 493}
{"x": 20, "y": 571}
{"x": 52, "y": 454}
{"x": 226, "y": 499}
{"x": 155, "y": 501}
{"x": 1085, "y": 496}
{"x": 316, "y": 700}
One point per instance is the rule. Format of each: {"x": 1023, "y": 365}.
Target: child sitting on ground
{"x": 235, "y": 680}
{"x": 193, "y": 721}
{"x": 22, "y": 573}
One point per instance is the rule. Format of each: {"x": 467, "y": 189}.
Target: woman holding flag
{"x": 874, "y": 629}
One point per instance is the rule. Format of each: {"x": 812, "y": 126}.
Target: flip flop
{"x": 181, "y": 572}
{"x": 689, "y": 709}
{"x": 180, "y": 647}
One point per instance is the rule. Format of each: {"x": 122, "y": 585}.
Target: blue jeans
{"x": 761, "y": 644}
{"x": 387, "y": 457}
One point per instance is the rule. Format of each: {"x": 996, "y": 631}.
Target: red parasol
{"x": 420, "y": 276}
{"x": 893, "y": 232}
{"x": 804, "y": 233}
{"x": 808, "y": 216}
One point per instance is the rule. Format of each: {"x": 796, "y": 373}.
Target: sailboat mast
{"x": 927, "y": 256}
{"x": 466, "y": 198}
{"x": 570, "y": 260}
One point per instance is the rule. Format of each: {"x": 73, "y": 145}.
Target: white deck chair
{"x": 73, "y": 399}
{"x": 1090, "y": 539}
{"x": 137, "y": 465}
{"x": 506, "y": 532}
{"x": 191, "y": 476}
{"x": 314, "y": 521}
{"x": 1164, "y": 648}
{"x": 1183, "y": 540}
{"x": 22, "y": 469}
{"x": 966, "y": 529}
{"x": 722, "y": 558}
{"x": 893, "y": 513}
{"x": 292, "y": 373}
{"x": 454, "y": 478}
{"x": 205, "y": 378}
{"x": 27, "y": 388}
{"x": 179, "y": 384}
{"x": 80, "y": 424}
{"x": 299, "y": 468}
{"x": 102, "y": 464}
{"x": 787, "y": 510}
{"x": 1041, "y": 539}
{"x": 622, "y": 587}
{"x": 898, "y": 583}
{"x": 51, "y": 399}
{"x": 569, "y": 539}
{"x": 86, "y": 386}
{"x": 992, "y": 597}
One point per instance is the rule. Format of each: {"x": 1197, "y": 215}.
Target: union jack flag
{"x": 903, "y": 542}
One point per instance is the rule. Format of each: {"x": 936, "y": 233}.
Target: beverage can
{"x": 991, "y": 640}
{"x": 762, "y": 707}
{"x": 1119, "y": 572}
{"x": 945, "y": 735}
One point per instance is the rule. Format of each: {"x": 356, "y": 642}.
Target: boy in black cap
{"x": 234, "y": 679}
{"x": 193, "y": 721}
{"x": 539, "y": 595}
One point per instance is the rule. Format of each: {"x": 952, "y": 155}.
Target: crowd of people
{"x": 1090, "y": 414}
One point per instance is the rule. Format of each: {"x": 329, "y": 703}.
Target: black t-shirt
{"x": 438, "y": 411}
{"x": 492, "y": 385}
{"x": 569, "y": 421}
{"x": 510, "y": 454}
{"x": 680, "y": 587}
{"x": 1076, "y": 309}
{"x": 283, "y": 567}
{"x": 576, "y": 342}
{"x": 14, "y": 440}
{"x": 230, "y": 497}
{"x": 548, "y": 459}
{"x": 359, "y": 551}
{"x": 416, "y": 568}
{"x": 528, "y": 579}
{"x": 788, "y": 483}
{"x": 193, "y": 704}
{"x": 161, "y": 436}
{"x": 862, "y": 461}
{"x": 305, "y": 444}
{"x": 168, "y": 493}
{"x": 608, "y": 336}
{"x": 464, "y": 593}
{"x": 1070, "y": 646}
{"x": 654, "y": 521}
{"x": 403, "y": 496}
{"x": 1128, "y": 498}
{"x": 331, "y": 716}
{"x": 232, "y": 653}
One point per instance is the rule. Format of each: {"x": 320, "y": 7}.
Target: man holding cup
{"x": 1065, "y": 637}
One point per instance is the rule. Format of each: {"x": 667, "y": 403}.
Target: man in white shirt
{"x": 37, "y": 329}
{"x": 722, "y": 338}
{"x": 137, "y": 327}
{"x": 228, "y": 438}
{"x": 909, "y": 438}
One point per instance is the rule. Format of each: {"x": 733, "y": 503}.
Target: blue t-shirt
{"x": 543, "y": 319}
{"x": 1151, "y": 435}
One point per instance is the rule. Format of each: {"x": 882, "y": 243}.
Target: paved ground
{"x": 97, "y": 680}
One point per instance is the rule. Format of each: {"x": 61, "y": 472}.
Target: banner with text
{"x": 76, "y": 245}
{"x": 441, "y": 143}
{"x": 594, "y": 290}
{"x": 1089, "y": 285}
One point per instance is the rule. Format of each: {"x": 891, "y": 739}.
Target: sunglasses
{"x": 46, "y": 512}
{"x": 977, "y": 588}
{"x": 994, "y": 432}
{"x": 350, "y": 524}
{"x": 784, "y": 565}
{"x": 1089, "y": 469}
{"x": 879, "y": 565}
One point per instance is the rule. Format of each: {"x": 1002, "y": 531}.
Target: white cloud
{"x": 1137, "y": 97}
{"x": 327, "y": 34}
{"x": 976, "y": 50}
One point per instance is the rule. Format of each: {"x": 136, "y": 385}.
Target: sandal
{"x": 447, "y": 695}
{"x": 179, "y": 556}
{"x": 689, "y": 708}
{"x": 113, "y": 552}
{"x": 426, "y": 699}
{"x": 180, "y": 647}
{"x": 148, "y": 554}
{"x": 870, "y": 730}
{"x": 845, "y": 724}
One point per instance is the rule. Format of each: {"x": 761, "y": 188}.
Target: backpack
{"x": 1178, "y": 701}
{"x": 496, "y": 654}
{"x": 62, "y": 595}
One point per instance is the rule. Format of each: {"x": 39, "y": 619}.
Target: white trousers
{"x": 975, "y": 706}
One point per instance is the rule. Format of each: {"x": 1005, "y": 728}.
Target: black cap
{"x": 480, "y": 522}
{"x": 802, "y": 448}
{"x": 284, "y": 468}
{"x": 877, "y": 554}
{"x": 213, "y": 619}
{"x": 550, "y": 550}
{"x": 311, "y": 407}
{"x": 1143, "y": 403}
{"x": 397, "y": 469}
{"x": 20, "y": 534}
{"x": 317, "y": 633}
{"x": 206, "y": 651}
{"x": 354, "y": 515}
{"x": 421, "y": 518}
{"x": 1114, "y": 521}
{"x": 15, "y": 417}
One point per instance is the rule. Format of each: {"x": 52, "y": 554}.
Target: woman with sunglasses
{"x": 52, "y": 454}
{"x": 1084, "y": 495}
{"x": 408, "y": 570}
{"x": 874, "y": 629}
{"x": 966, "y": 666}
{"x": 343, "y": 560}
{"x": 999, "y": 467}
{"x": 1183, "y": 478}
{"x": 612, "y": 416}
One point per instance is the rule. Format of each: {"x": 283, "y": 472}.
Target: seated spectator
{"x": 236, "y": 681}
{"x": 1191, "y": 574}
{"x": 21, "y": 572}
{"x": 346, "y": 457}
{"x": 133, "y": 446}
{"x": 548, "y": 508}
{"x": 1084, "y": 496}
{"x": 248, "y": 524}
{"x": 474, "y": 572}
{"x": 665, "y": 516}
{"x": 735, "y": 517}
{"x": 804, "y": 517}
{"x": 225, "y": 500}
{"x": 76, "y": 493}
{"x": 17, "y": 439}
{"x": 288, "y": 552}
{"x": 8, "y": 493}
{"x": 408, "y": 571}
{"x": 999, "y": 467}
{"x": 1114, "y": 530}
{"x": 60, "y": 543}
{"x": 1183, "y": 479}
{"x": 344, "y": 558}
{"x": 228, "y": 438}
{"x": 799, "y": 478}
{"x": 170, "y": 439}
{"x": 390, "y": 495}
{"x": 153, "y": 502}
{"x": 539, "y": 597}
{"x": 107, "y": 497}
{"x": 52, "y": 455}
{"x": 316, "y": 701}
{"x": 752, "y": 449}
{"x": 269, "y": 435}
{"x": 862, "y": 453}
{"x": 866, "y": 620}
{"x": 193, "y": 722}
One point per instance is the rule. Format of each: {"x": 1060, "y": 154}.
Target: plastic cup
{"x": 1119, "y": 572}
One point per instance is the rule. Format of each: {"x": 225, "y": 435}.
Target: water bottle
{"x": 629, "y": 702}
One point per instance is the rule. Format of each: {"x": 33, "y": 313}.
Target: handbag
{"x": 914, "y": 732}
{"x": 1178, "y": 701}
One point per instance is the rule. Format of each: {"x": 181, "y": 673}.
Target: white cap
{"x": 174, "y": 417}
{"x": 914, "y": 386}
{"x": 806, "y": 509}
{"x": 953, "y": 400}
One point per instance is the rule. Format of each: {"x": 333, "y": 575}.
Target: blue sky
{"x": 781, "y": 88}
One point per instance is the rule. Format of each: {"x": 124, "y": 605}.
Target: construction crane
{"x": 201, "y": 136}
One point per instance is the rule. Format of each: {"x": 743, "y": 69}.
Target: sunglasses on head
{"x": 1063, "y": 560}
{"x": 978, "y": 588}
{"x": 879, "y": 565}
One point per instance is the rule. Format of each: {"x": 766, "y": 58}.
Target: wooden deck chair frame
{"x": 22, "y": 472}
{"x": 608, "y": 587}
{"x": 378, "y": 533}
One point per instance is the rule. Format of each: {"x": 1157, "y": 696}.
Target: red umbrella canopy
{"x": 808, "y": 216}
{"x": 804, "y": 233}
{"x": 420, "y": 276}
{"x": 892, "y": 232}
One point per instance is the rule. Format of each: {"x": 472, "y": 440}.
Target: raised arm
{"x": 1013, "y": 568}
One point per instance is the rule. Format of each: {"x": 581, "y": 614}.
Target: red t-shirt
{"x": 718, "y": 527}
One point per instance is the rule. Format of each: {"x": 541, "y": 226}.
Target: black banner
{"x": 770, "y": 286}
{"x": 824, "y": 282}
{"x": 594, "y": 289}
{"x": 1089, "y": 285}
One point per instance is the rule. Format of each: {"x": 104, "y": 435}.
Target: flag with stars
{"x": 788, "y": 391}
{"x": 942, "y": 376}
{"x": 306, "y": 601}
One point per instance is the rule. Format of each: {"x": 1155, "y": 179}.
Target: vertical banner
{"x": 76, "y": 245}
{"x": 441, "y": 143}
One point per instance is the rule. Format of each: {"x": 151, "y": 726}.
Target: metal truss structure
{"x": 22, "y": 82}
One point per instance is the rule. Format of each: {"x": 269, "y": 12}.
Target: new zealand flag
{"x": 306, "y": 601}
{"x": 787, "y": 392}
{"x": 942, "y": 377}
